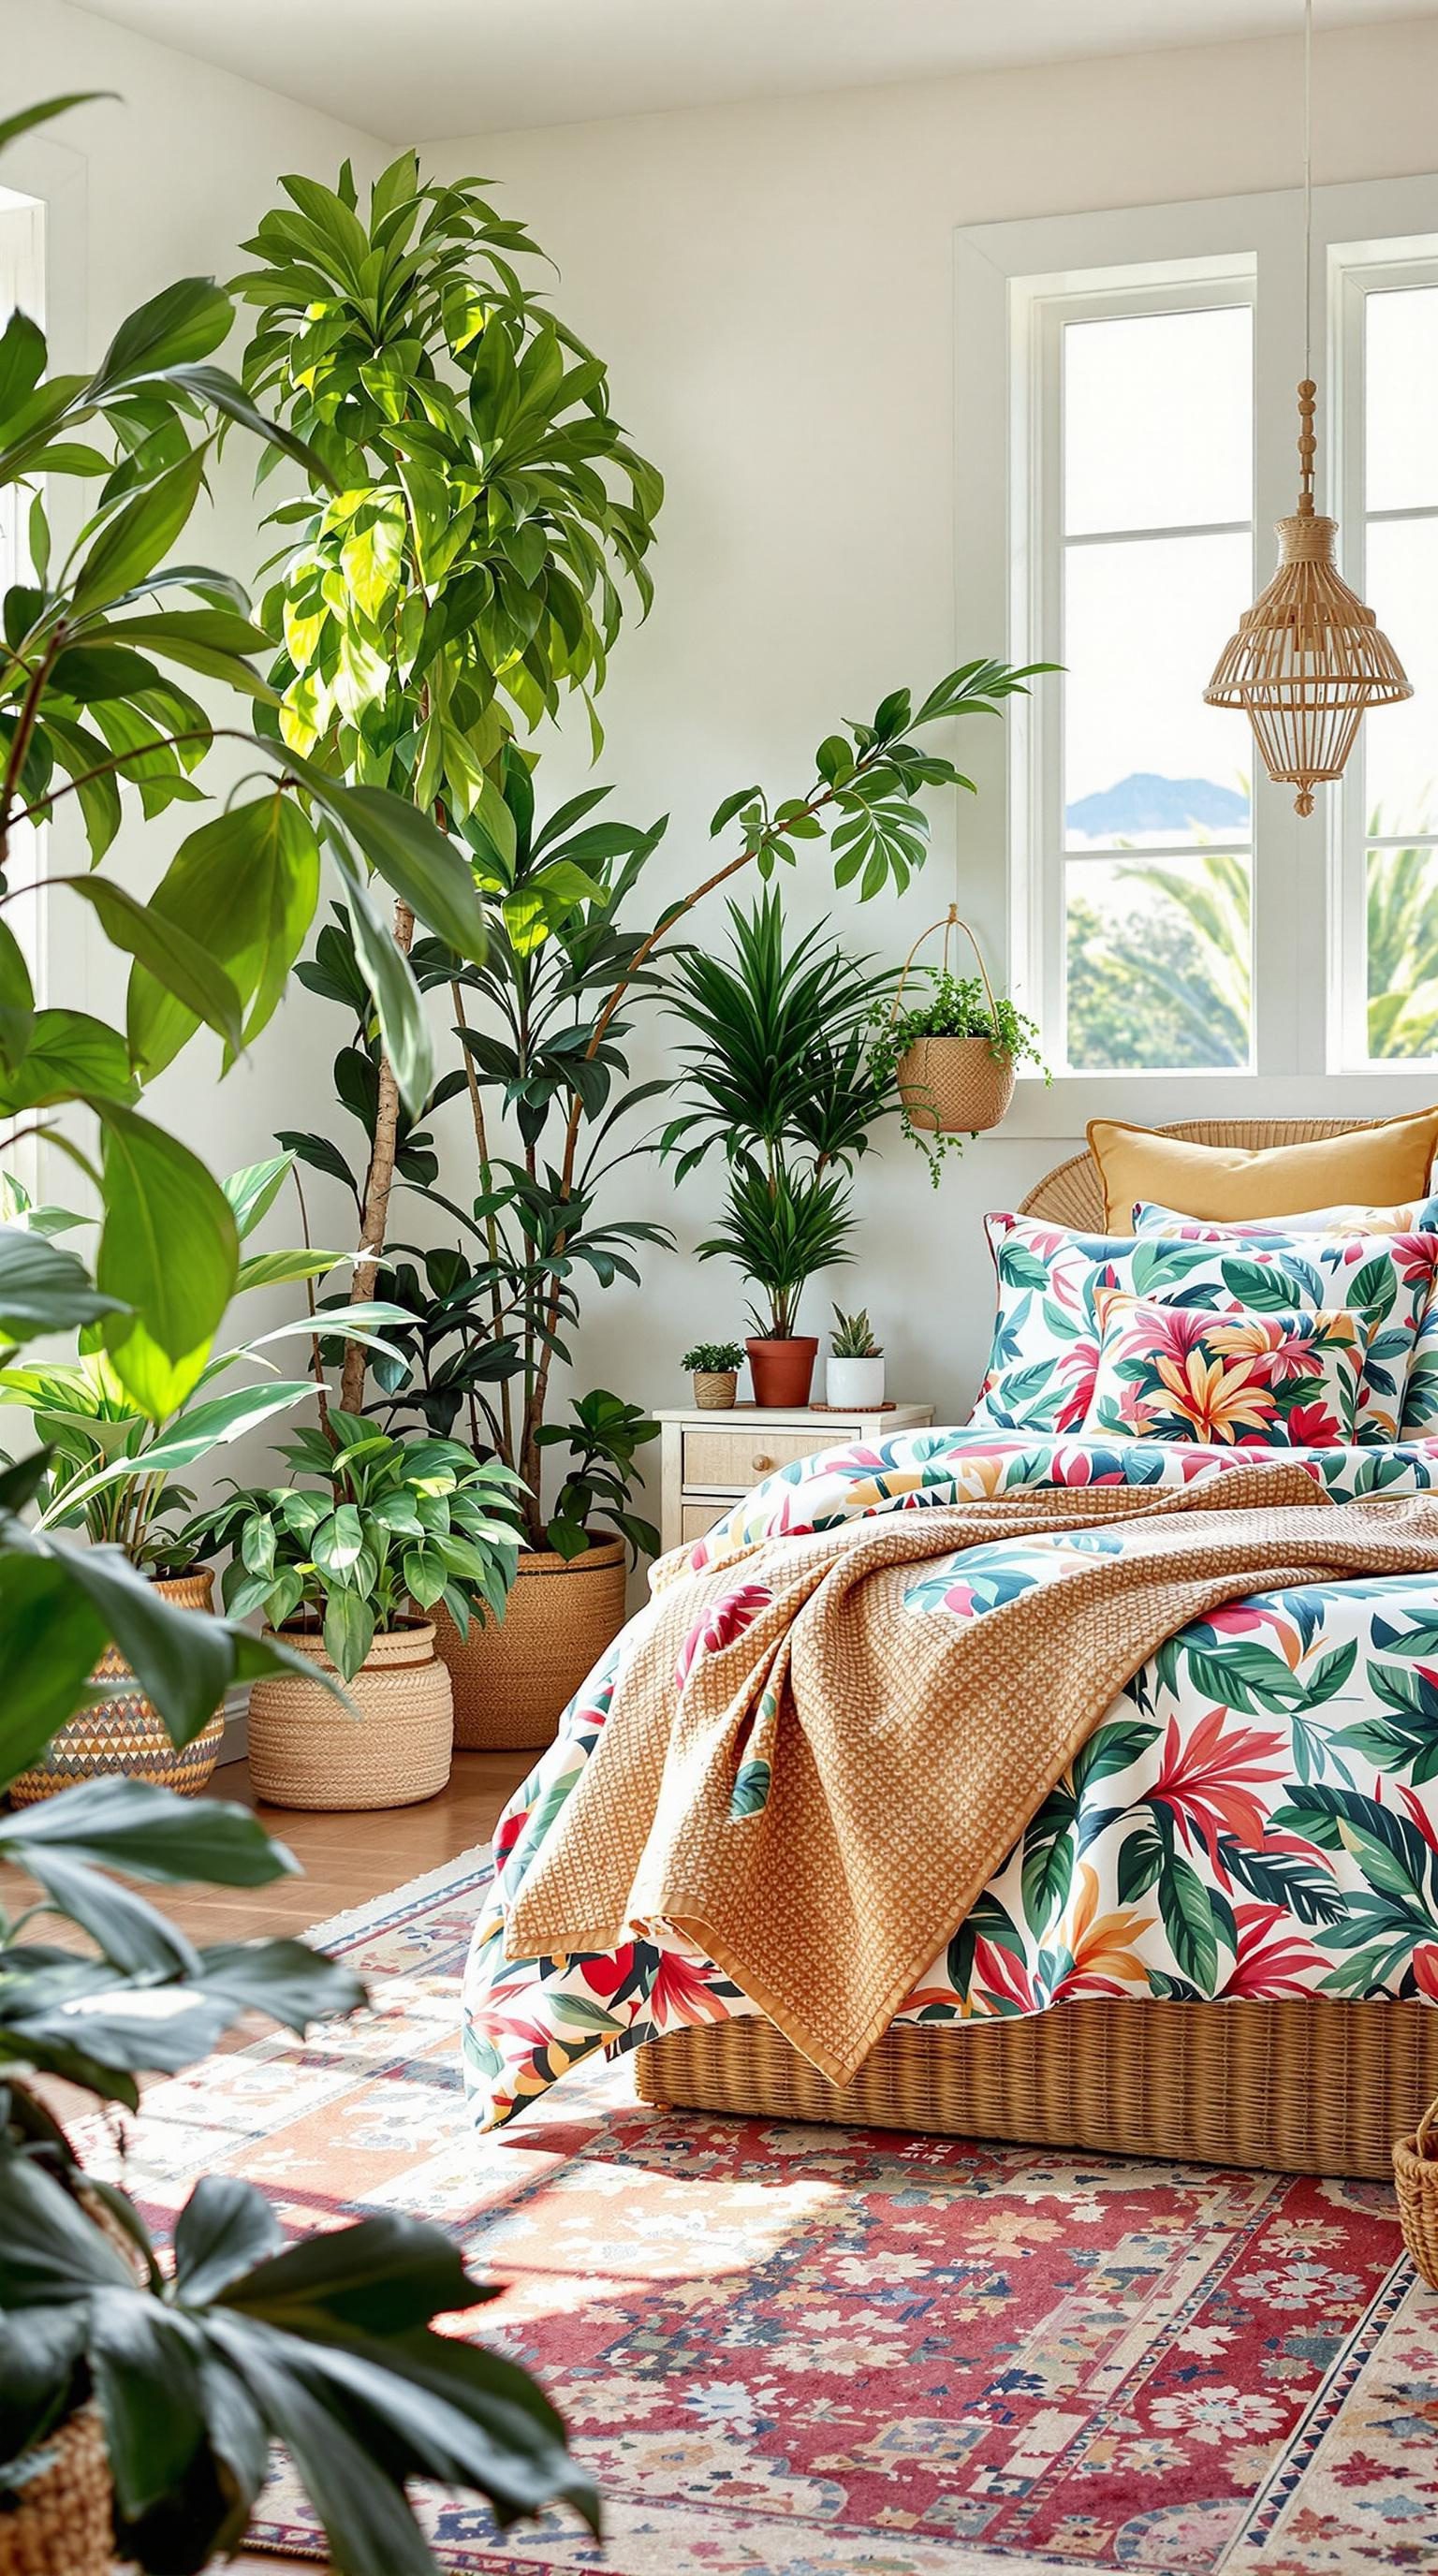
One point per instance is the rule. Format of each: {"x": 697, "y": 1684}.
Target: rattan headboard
{"x": 1072, "y": 1194}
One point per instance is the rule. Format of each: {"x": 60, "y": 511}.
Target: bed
{"x": 1264, "y": 2000}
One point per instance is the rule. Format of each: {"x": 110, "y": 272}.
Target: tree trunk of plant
{"x": 379, "y": 1181}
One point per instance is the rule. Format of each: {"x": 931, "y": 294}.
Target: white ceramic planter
{"x": 856, "y": 1383}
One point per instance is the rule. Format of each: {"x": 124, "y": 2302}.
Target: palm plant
{"x": 780, "y": 1078}
{"x": 1402, "y": 925}
{"x": 1171, "y": 986}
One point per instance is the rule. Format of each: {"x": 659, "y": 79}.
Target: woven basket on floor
{"x": 61, "y": 2523}
{"x": 306, "y": 1750}
{"x": 1315, "y": 2086}
{"x": 122, "y": 1732}
{"x": 1415, "y": 2179}
{"x": 513, "y": 1678}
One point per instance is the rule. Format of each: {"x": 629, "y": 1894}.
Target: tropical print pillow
{"x": 1044, "y": 1356}
{"x": 1288, "y": 1380}
{"x": 1420, "y": 1219}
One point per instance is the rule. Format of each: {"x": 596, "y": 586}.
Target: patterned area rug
{"x": 805, "y": 2352}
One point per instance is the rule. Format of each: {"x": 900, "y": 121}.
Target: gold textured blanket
{"x": 814, "y": 1786}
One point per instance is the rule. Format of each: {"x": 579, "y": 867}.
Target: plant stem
{"x": 491, "y": 1230}
{"x": 379, "y": 1181}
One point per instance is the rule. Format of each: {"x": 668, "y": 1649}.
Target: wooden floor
{"x": 345, "y": 1860}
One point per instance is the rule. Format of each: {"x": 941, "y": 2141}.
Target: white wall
{"x": 165, "y": 181}
{"x": 772, "y": 288}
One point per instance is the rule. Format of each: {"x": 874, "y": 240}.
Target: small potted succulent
{"x": 855, "y": 1374}
{"x": 715, "y": 1369}
{"x": 346, "y": 1570}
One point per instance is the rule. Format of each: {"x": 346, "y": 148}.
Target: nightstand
{"x": 709, "y": 1459}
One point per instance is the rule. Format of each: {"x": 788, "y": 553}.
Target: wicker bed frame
{"x": 1318, "y": 2087}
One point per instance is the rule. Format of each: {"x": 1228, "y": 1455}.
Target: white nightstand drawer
{"x": 732, "y": 1461}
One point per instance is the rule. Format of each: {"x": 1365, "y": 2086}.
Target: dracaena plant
{"x": 97, "y": 638}
{"x": 475, "y": 507}
{"x": 542, "y": 1034}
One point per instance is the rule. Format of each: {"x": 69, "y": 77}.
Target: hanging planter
{"x": 953, "y": 1054}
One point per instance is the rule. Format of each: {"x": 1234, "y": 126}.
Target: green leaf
{"x": 44, "y": 1289}
{"x": 225, "y": 2228}
{"x": 731, "y": 806}
{"x": 26, "y": 117}
{"x": 140, "y": 534}
{"x": 185, "y": 322}
{"x": 176, "y": 961}
{"x": 169, "y": 1251}
{"x": 278, "y": 1269}
{"x": 22, "y": 362}
{"x": 412, "y": 855}
{"x": 69, "y": 1057}
{"x": 150, "y": 1833}
{"x": 52, "y": 1644}
{"x": 403, "y": 1024}
{"x": 147, "y": 2382}
{"x": 253, "y": 1190}
{"x": 50, "y": 2252}
{"x": 348, "y": 1631}
{"x": 246, "y": 886}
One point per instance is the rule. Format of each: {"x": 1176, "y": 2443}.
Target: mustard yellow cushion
{"x": 1384, "y": 1165}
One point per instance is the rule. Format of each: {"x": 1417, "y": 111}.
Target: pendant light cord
{"x": 1308, "y": 187}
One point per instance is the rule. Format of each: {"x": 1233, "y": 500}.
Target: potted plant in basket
{"x": 114, "y": 1472}
{"x": 715, "y": 1368}
{"x": 855, "y": 1374}
{"x": 780, "y": 1076}
{"x": 346, "y": 1570}
{"x": 953, "y": 1052}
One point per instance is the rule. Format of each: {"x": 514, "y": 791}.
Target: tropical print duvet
{"x": 1256, "y": 1815}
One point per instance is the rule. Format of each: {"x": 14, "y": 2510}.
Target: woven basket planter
{"x": 954, "y": 1086}
{"x": 1415, "y": 2179}
{"x": 715, "y": 1390}
{"x": 122, "y": 1732}
{"x": 307, "y": 1751}
{"x": 514, "y": 1678}
{"x": 62, "y": 2521}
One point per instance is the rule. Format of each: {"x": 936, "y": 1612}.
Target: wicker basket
{"x": 122, "y": 1732}
{"x": 62, "y": 2520}
{"x": 306, "y": 1750}
{"x": 953, "y": 1086}
{"x": 514, "y": 1678}
{"x": 1415, "y": 2179}
{"x": 1316, "y": 2086}
{"x": 715, "y": 1390}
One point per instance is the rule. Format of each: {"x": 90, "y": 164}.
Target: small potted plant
{"x": 715, "y": 1368}
{"x": 855, "y": 1374}
{"x": 346, "y": 1570}
{"x": 952, "y": 1053}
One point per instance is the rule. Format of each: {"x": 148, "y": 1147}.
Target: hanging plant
{"x": 952, "y": 1053}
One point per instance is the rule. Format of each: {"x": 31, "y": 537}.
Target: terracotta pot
{"x": 954, "y": 1086}
{"x": 63, "y": 2520}
{"x": 306, "y": 1750}
{"x": 715, "y": 1389}
{"x": 514, "y": 1678}
{"x": 122, "y": 1732}
{"x": 783, "y": 1372}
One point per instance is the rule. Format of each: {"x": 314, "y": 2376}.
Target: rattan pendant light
{"x": 1309, "y": 659}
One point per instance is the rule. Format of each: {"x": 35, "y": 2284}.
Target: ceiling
{"x": 419, "y": 70}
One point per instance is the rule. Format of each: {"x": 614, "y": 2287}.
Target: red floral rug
{"x": 804, "y": 2352}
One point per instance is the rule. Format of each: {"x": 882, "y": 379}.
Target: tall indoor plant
{"x": 779, "y": 1078}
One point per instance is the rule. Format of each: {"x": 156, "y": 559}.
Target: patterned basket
{"x": 61, "y": 2522}
{"x": 1415, "y": 2179}
{"x": 122, "y": 1732}
{"x": 715, "y": 1389}
{"x": 953, "y": 1086}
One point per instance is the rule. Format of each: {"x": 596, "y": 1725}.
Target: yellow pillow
{"x": 1385, "y": 1165}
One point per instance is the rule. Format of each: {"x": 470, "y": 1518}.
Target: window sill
{"x": 1065, "y": 1106}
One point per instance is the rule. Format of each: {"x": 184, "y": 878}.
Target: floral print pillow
{"x": 1420, "y": 1219}
{"x": 1044, "y": 1356}
{"x": 1289, "y": 1380}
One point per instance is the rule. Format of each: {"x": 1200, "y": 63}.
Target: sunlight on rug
{"x": 806, "y": 2352}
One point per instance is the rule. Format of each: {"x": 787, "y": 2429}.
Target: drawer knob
{"x": 761, "y": 1464}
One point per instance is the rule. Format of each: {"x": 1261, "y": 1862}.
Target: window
{"x": 1388, "y": 999}
{"x": 1145, "y": 800}
{"x": 1190, "y": 947}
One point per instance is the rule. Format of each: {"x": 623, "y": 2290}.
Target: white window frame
{"x": 1004, "y": 273}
